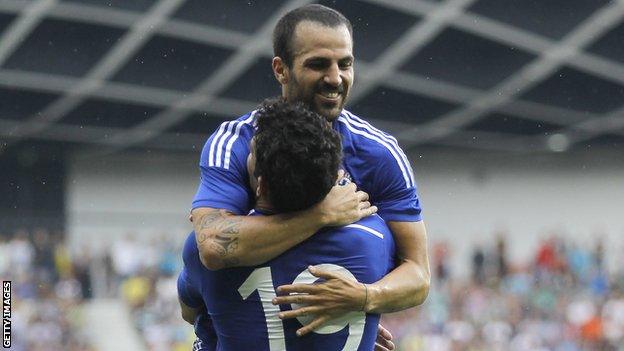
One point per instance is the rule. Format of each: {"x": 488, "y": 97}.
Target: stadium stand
{"x": 561, "y": 299}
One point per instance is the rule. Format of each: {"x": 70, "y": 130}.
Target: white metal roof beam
{"x": 97, "y": 135}
{"x": 472, "y": 23}
{"x": 211, "y": 87}
{"x": 506, "y": 34}
{"x": 510, "y": 35}
{"x": 451, "y": 92}
{"x": 163, "y": 98}
{"x": 21, "y": 27}
{"x": 124, "y": 50}
{"x": 121, "y": 92}
{"x": 99, "y": 15}
{"x": 491, "y": 142}
{"x": 407, "y": 44}
{"x": 407, "y": 82}
{"x": 525, "y": 78}
{"x": 29, "y": 17}
{"x": 159, "y": 97}
{"x": 612, "y": 123}
{"x": 437, "y": 89}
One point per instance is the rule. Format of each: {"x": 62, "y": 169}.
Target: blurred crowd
{"x": 561, "y": 299}
{"x": 144, "y": 274}
{"x": 48, "y": 286}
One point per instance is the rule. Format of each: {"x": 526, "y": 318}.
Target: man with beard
{"x": 313, "y": 63}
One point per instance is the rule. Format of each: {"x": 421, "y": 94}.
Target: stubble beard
{"x": 296, "y": 94}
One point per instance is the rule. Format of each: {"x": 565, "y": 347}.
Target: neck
{"x": 263, "y": 205}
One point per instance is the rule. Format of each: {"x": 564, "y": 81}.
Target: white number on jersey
{"x": 261, "y": 279}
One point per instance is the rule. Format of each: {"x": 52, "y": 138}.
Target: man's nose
{"x": 332, "y": 76}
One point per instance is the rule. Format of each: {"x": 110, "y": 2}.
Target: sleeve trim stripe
{"x": 226, "y": 135}
{"x": 365, "y": 125}
{"x": 366, "y": 229}
{"x": 221, "y": 146}
{"x": 228, "y": 148}
{"x": 406, "y": 174}
{"x": 214, "y": 143}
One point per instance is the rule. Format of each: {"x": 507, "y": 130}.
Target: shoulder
{"x": 361, "y": 133}
{"x": 231, "y": 139}
{"x": 373, "y": 225}
{"x": 374, "y": 146}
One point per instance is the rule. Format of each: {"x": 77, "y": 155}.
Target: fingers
{"x": 379, "y": 347}
{"x": 320, "y": 273}
{"x": 383, "y": 344}
{"x": 369, "y": 211}
{"x": 303, "y": 311}
{"x": 383, "y": 332}
{"x": 301, "y": 299}
{"x": 297, "y": 289}
{"x": 384, "y": 339}
{"x": 362, "y": 196}
{"x": 315, "y": 324}
{"x": 364, "y": 205}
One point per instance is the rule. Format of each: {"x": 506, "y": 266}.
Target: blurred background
{"x": 511, "y": 112}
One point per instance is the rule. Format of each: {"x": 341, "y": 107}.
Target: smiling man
{"x": 315, "y": 65}
{"x": 313, "y": 62}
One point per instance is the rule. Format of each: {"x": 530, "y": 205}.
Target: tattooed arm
{"x": 227, "y": 240}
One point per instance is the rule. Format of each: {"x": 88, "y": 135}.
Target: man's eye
{"x": 346, "y": 65}
{"x": 316, "y": 65}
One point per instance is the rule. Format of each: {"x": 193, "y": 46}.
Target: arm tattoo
{"x": 223, "y": 229}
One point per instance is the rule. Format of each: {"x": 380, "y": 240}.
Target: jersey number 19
{"x": 261, "y": 279}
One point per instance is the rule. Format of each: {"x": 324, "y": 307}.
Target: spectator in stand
{"x": 22, "y": 252}
{"x": 44, "y": 254}
{"x": 501, "y": 257}
{"x": 613, "y": 317}
{"x": 82, "y": 271}
{"x": 440, "y": 261}
{"x": 5, "y": 255}
{"x": 478, "y": 265}
{"x": 126, "y": 257}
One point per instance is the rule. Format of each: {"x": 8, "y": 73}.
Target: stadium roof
{"x": 514, "y": 75}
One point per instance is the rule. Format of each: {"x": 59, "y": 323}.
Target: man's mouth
{"x": 329, "y": 95}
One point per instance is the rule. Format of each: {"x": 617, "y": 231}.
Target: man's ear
{"x": 261, "y": 189}
{"x": 280, "y": 70}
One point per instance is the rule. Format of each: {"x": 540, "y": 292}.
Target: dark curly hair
{"x": 297, "y": 154}
{"x": 284, "y": 30}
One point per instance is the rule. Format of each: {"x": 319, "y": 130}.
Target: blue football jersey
{"x": 372, "y": 159}
{"x": 238, "y": 300}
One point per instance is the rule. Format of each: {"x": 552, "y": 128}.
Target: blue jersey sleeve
{"x": 188, "y": 293}
{"x": 188, "y": 287}
{"x": 223, "y": 165}
{"x": 379, "y": 167}
{"x": 394, "y": 186}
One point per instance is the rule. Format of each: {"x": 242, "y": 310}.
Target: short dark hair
{"x": 285, "y": 28}
{"x": 297, "y": 154}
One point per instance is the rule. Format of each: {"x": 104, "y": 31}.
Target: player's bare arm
{"x": 408, "y": 284}
{"x": 227, "y": 240}
{"x": 404, "y": 287}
